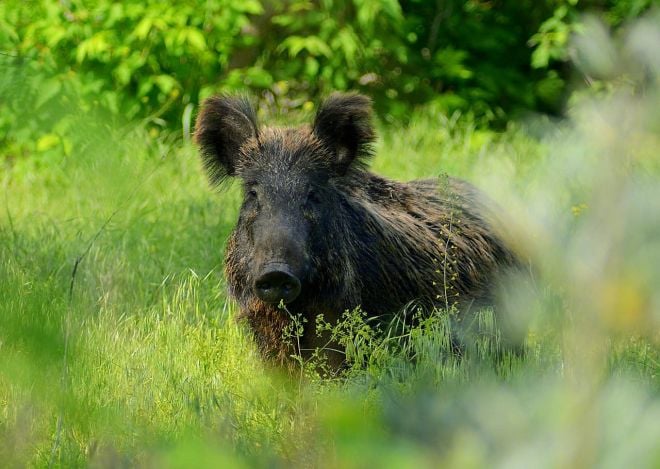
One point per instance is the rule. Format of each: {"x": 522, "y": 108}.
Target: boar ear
{"x": 223, "y": 125}
{"x": 343, "y": 124}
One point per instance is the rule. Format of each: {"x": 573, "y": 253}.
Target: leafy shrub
{"x": 156, "y": 61}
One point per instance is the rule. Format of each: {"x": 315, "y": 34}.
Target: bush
{"x": 156, "y": 61}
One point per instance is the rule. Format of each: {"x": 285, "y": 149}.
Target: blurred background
{"x": 118, "y": 346}
{"x": 495, "y": 60}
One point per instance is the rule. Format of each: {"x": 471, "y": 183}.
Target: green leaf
{"x": 312, "y": 44}
{"x": 258, "y": 77}
{"x": 166, "y": 83}
{"x": 252, "y": 7}
{"x": 94, "y": 47}
{"x": 145, "y": 87}
{"x": 46, "y": 142}
{"x": 142, "y": 29}
{"x": 196, "y": 39}
{"x": 540, "y": 57}
{"x": 123, "y": 73}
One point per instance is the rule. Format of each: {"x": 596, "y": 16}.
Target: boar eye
{"x": 252, "y": 194}
{"x": 313, "y": 197}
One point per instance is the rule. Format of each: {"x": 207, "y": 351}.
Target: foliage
{"x": 155, "y": 60}
{"x": 551, "y": 42}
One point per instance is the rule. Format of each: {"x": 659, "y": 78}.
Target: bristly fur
{"x": 343, "y": 124}
{"x": 222, "y": 127}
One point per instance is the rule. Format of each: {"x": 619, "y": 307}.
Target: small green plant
{"x": 450, "y": 228}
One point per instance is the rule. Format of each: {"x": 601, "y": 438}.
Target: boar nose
{"x": 277, "y": 283}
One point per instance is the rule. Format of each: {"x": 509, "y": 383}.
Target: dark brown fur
{"x": 375, "y": 243}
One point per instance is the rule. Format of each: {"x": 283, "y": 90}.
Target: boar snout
{"x": 276, "y": 282}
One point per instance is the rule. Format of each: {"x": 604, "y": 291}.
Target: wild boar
{"x": 321, "y": 233}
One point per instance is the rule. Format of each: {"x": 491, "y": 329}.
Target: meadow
{"x": 118, "y": 344}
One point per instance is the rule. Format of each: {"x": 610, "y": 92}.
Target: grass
{"x": 118, "y": 344}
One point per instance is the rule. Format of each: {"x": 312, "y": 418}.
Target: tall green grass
{"x": 118, "y": 345}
